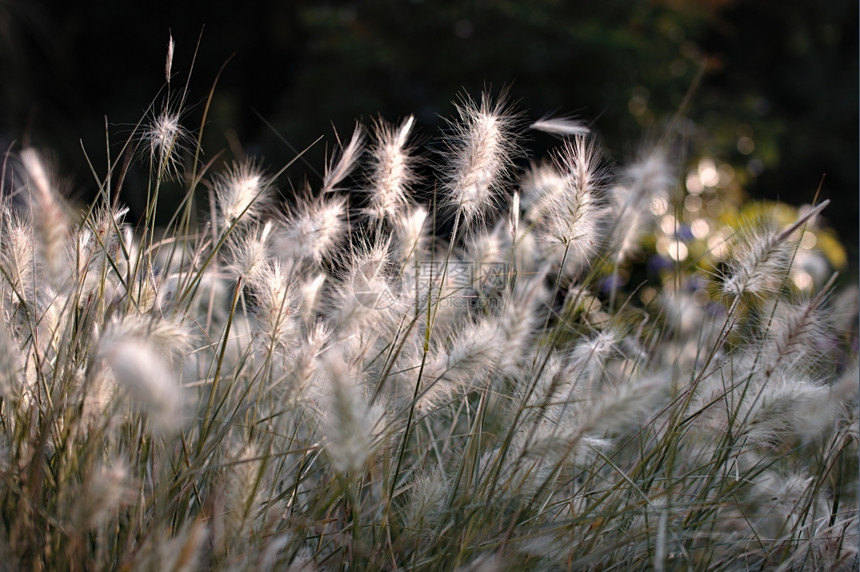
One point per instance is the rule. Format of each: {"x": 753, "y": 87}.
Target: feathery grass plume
{"x": 366, "y": 302}
{"x": 166, "y": 139}
{"x": 338, "y": 170}
{"x": 484, "y": 563}
{"x": 51, "y": 323}
{"x": 311, "y": 291}
{"x": 350, "y": 425}
{"x": 47, "y": 213}
{"x": 177, "y": 550}
{"x": 519, "y": 321}
{"x": 391, "y": 171}
{"x": 549, "y": 385}
{"x": 796, "y": 335}
{"x": 684, "y": 309}
{"x": 105, "y": 490}
{"x": 833, "y": 547}
{"x": 487, "y": 253}
{"x": 242, "y": 193}
{"x": 822, "y": 417}
{"x": 540, "y": 184}
{"x": 590, "y": 354}
{"x": 241, "y": 489}
{"x": 564, "y": 440}
{"x": 249, "y": 251}
{"x": 312, "y": 231}
{"x": 759, "y": 261}
{"x": 410, "y": 233}
{"x": 207, "y": 305}
{"x": 554, "y": 445}
{"x": 761, "y": 257}
{"x": 780, "y": 504}
{"x": 276, "y": 305}
{"x": 560, "y": 126}
{"x": 10, "y": 365}
{"x": 650, "y": 174}
{"x": 140, "y": 368}
{"x": 303, "y": 561}
{"x": 844, "y": 307}
{"x": 572, "y": 218}
{"x": 623, "y": 406}
{"x": 573, "y": 413}
{"x": 463, "y": 365}
{"x": 645, "y": 182}
{"x": 480, "y": 151}
{"x": 168, "y": 62}
{"x": 687, "y": 314}
{"x": 170, "y": 336}
{"x": 547, "y": 432}
{"x": 514, "y": 216}
{"x": 18, "y": 254}
{"x": 779, "y": 409}
{"x": 99, "y": 390}
{"x": 98, "y": 256}
{"x": 306, "y": 358}
{"x": 427, "y": 496}
{"x": 474, "y": 352}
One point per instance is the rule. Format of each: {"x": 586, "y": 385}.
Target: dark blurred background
{"x": 778, "y": 99}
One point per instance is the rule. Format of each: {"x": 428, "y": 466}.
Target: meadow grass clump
{"x": 572, "y": 367}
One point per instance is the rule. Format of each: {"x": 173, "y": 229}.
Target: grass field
{"x": 579, "y": 365}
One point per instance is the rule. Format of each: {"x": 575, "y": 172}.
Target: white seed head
{"x": 276, "y": 304}
{"x": 647, "y": 179}
{"x": 560, "y": 126}
{"x": 391, "y": 171}
{"x": 539, "y": 186}
{"x": 347, "y": 422}
{"x": 762, "y": 256}
{"x": 140, "y": 368}
{"x": 168, "y": 64}
{"x": 241, "y": 489}
{"x": 759, "y": 262}
{"x": 480, "y": 153}
{"x": 795, "y": 336}
{"x": 410, "y": 232}
{"x": 572, "y": 213}
{"x": 167, "y": 139}
{"x": 624, "y": 405}
{"x": 427, "y": 498}
{"x": 486, "y": 247}
{"x": 50, "y": 222}
{"x": 18, "y": 256}
{"x": 105, "y": 490}
{"x": 338, "y": 170}
{"x": 311, "y": 296}
{"x": 242, "y": 193}
{"x": 474, "y": 352}
{"x": 313, "y": 230}
{"x": 10, "y": 365}
{"x": 171, "y": 337}
{"x": 514, "y": 216}
{"x": 367, "y": 294}
{"x": 650, "y": 175}
{"x": 248, "y": 252}
{"x": 781, "y": 408}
